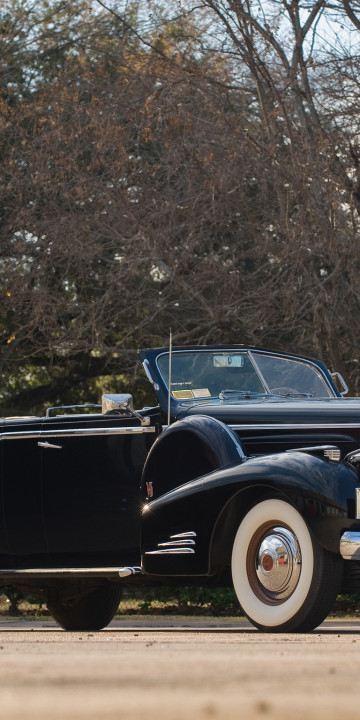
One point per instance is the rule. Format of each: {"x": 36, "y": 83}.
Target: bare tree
{"x": 193, "y": 173}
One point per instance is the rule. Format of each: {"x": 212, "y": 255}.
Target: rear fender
{"x": 186, "y": 450}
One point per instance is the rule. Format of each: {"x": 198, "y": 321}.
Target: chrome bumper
{"x": 350, "y": 545}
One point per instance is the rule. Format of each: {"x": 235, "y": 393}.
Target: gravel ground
{"x": 178, "y": 669}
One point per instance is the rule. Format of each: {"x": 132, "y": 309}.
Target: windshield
{"x": 204, "y": 374}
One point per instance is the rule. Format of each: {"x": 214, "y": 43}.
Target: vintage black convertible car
{"x": 246, "y": 472}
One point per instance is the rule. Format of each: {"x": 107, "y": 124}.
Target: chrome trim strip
{"x": 83, "y": 432}
{"x": 350, "y": 545}
{"x": 357, "y": 503}
{"x": 333, "y": 454}
{"x": 80, "y": 432}
{"x": 184, "y": 535}
{"x": 71, "y": 407}
{"x": 289, "y": 426}
{"x": 70, "y": 572}
{"x": 172, "y": 551}
{"x": 148, "y": 374}
{"x": 175, "y": 543}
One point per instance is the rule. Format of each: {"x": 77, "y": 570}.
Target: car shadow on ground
{"x": 174, "y": 625}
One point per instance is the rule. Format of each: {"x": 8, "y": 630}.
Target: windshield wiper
{"x": 295, "y": 394}
{"x": 224, "y": 394}
{"x": 248, "y": 394}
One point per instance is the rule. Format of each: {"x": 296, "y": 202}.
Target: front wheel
{"x": 284, "y": 580}
{"x": 84, "y": 608}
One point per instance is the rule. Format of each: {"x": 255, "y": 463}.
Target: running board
{"x": 104, "y": 572}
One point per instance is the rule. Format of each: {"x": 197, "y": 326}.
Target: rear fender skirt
{"x": 213, "y": 505}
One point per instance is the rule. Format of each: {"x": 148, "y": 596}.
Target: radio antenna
{"x": 170, "y": 359}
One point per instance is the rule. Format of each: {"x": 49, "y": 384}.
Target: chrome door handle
{"x": 49, "y": 446}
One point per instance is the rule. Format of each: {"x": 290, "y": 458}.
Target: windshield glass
{"x": 199, "y": 374}
{"x": 284, "y": 375}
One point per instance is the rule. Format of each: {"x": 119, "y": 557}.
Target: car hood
{"x": 279, "y": 411}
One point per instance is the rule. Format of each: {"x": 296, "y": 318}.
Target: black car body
{"x": 246, "y": 471}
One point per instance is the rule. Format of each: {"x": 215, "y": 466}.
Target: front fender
{"x": 208, "y": 510}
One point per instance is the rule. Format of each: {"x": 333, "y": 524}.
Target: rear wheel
{"x": 284, "y": 580}
{"x": 84, "y": 609}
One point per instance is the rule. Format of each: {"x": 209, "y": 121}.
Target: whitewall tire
{"x": 283, "y": 579}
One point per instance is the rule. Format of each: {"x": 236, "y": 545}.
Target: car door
{"x": 91, "y": 471}
{"x": 22, "y": 530}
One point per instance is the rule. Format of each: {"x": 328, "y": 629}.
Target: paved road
{"x": 178, "y": 671}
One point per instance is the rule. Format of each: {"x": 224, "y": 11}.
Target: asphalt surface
{"x": 177, "y": 669}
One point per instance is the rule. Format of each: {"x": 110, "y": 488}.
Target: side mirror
{"x": 116, "y": 402}
{"x": 111, "y": 403}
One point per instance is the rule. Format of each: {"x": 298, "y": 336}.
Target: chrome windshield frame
{"x": 251, "y": 353}
{"x": 256, "y": 367}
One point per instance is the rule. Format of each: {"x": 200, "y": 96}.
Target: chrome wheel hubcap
{"x": 274, "y": 564}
